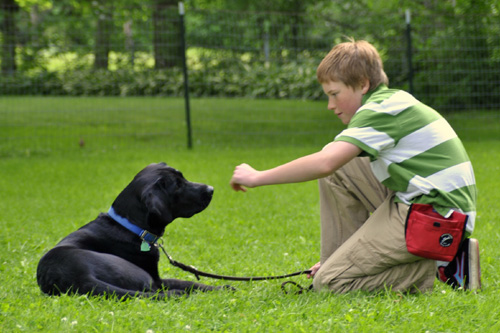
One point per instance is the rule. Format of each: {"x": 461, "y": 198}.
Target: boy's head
{"x": 352, "y": 63}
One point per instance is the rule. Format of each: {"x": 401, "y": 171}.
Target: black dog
{"x": 115, "y": 253}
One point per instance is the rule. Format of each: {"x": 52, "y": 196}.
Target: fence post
{"x": 185, "y": 74}
{"x": 267, "y": 49}
{"x": 409, "y": 50}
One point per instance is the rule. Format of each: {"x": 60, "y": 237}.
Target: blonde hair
{"x": 351, "y": 63}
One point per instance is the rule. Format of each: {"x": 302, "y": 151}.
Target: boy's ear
{"x": 365, "y": 86}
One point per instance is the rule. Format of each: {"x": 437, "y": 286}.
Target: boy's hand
{"x": 314, "y": 269}
{"x": 243, "y": 176}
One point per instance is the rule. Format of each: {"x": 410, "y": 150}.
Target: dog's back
{"x": 74, "y": 264}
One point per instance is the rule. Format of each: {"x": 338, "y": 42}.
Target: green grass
{"x": 51, "y": 186}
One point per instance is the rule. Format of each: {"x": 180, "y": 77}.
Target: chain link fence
{"x": 449, "y": 60}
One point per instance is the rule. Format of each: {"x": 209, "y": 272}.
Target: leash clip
{"x": 148, "y": 239}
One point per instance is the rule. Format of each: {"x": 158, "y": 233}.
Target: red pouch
{"x": 430, "y": 235}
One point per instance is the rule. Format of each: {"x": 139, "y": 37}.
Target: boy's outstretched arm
{"x": 310, "y": 167}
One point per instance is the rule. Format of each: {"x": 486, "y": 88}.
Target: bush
{"x": 227, "y": 78}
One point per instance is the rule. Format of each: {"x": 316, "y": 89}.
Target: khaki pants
{"x": 362, "y": 236}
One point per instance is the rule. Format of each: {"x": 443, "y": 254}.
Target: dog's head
{"x": 159, "y": 194}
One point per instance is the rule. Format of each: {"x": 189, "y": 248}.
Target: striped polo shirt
{"x": 414, "y": 152}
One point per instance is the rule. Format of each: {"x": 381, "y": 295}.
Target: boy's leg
{"x": 375, "y": 257}
{"x": 347, "y": 197}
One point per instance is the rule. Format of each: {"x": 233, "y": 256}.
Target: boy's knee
{"x": 325, "y": 282}
{"x": 322, "y": 284}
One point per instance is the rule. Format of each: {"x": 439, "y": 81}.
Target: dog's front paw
{"x": 226, "y": 287}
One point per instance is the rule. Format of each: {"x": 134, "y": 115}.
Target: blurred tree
{"x": 166, "y": 34}
{"x": 8, "y": 26}
{"x": 103, "y": 12}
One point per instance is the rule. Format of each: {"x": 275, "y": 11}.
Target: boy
{"x": 394, "y": 152}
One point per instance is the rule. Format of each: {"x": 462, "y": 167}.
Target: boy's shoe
{"x": 464, "y": 271}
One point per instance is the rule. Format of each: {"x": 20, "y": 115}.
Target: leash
{"x": 197, "y": 273}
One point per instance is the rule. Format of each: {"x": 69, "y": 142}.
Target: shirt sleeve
{"x": 365, "y": 132}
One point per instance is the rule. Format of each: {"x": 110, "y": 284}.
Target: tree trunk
{"x": 166, "y": 35}
{"x": 129, "y": 41}
{"x": 103, "y": 35}
{"x": 296, "y": 22}
{"x": 9, "y": 32}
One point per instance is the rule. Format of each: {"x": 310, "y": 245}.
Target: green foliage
{"x": 257, "y": 49}
{"x": 222, "y": 77}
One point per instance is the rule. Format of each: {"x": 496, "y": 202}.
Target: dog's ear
{"x": 157, "y": 205}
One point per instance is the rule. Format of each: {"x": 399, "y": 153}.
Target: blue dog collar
{"x": 145, "y": 235}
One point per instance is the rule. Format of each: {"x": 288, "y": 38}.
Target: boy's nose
{"x": 331, "y": 105}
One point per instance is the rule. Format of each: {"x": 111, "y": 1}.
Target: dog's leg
{"x": 108, "y": 291}
{"x": 98, "y": 274}
{"x": 189, "y": 286}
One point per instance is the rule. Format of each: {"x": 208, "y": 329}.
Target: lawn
{"x": 50, "y": 185}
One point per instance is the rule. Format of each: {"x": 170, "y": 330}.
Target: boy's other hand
{"x": 314, "y": 269}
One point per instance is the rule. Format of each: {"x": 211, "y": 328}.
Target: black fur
{"x": 104, "y": 258}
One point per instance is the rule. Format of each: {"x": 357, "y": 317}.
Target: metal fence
{"x": 450, "y": 61}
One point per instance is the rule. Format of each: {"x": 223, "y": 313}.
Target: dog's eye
{"x": 172, "y": 184}
{"x": 179, "y": 182}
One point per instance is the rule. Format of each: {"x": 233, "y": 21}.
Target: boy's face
{"x": 344, "y": 100}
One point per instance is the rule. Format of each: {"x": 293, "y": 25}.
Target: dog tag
{"x": 145, "y": 247}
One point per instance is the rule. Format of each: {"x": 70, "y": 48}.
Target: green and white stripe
{"x": 414, "y": 151}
